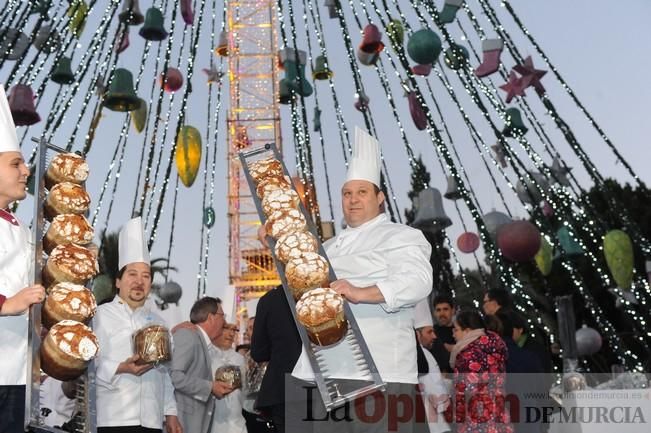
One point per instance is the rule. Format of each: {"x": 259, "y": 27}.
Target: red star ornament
{"x": 531, "y": 76}
{"x": 514, "y": 87}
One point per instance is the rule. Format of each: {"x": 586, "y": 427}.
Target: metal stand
{"x": 334, "y": 392}
{"x": 85, "y": 399}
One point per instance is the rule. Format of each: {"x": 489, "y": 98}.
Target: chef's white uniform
{"x": 126, "y": 399}
{"x": 228, "y": 416}
{"x": 433, "y": 384}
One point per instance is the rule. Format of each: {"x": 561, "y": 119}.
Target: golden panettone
{"x": 285, "y": 221}
{"x": 270, "y": 183}
{"x": 152, "y": 344}
{"x": 67, "y": 349}
{"x": 282, "y": 198}
{"x": 66, "y": 167}
{"x": 293, "y": 245}
{"x": 68, "y": 301}
{"x": 68, "y": 229}
{"x": 69, "y": 263}
{"x": 306, "y": 272}
{"x": 269, "y": 167}
{"x": 230, "y": 374}
{"x": 321, "y": 311}
{"x": 66, "y": 198}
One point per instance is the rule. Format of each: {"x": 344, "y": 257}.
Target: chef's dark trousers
{"x": 12, "y": 408}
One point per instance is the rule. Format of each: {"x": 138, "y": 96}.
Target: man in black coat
{"x": 443, "y": 313}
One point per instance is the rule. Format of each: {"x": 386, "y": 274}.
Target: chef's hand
{"x": 347, "y": 290}
{"x": 172, "y": 424}
{"x": 129, "y": 366}
{"x": 221, "y": 389}
{"x": 22, "y": 300}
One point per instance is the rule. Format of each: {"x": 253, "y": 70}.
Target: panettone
{"x": 306, "y": 272}
{"x": 293, "y": 245}
{"x": 66, "y": 350}
{"x": 152, "y": 344}
{"x": 67, "y": 301}
{"x": 277, "y": 199}
{"x": 230, "y": 374}
{"x": 285, "y": 221}
{"x": 66, "y": 198}
{"x": 69, "y": 263}
{"x": 269, "y": 167}
{"x": 68, "y": 229}
{"x": 321, "y": 311}
{"x": 270, "y": 183}
{"x": 66, "y": 167}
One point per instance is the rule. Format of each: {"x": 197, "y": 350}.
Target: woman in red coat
{"x": 478, "y": 359}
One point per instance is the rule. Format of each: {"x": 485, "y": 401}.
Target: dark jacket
{"x": 440, "y": 353}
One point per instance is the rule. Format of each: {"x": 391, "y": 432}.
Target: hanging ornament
{"x": 41, "y": 7}
{"x": 170, "y": 292}
{"x": 78, "y": 12}
{"x": 186, "y": 12}
{"x": 321, "y": 70}
{"x": 534, "y": 189}
{"x": 332, "y": 8}
{"x": 456, "y": 56}
{"x": 317, "y": 119}
{"x": 131, "y": 15}
{"x": 492, "y": 49}
{"x": 618, "y": 250}
{"x": 544, "y": 257}
{"x": 519, "y": 241}
{"x": 468, "y": 242}
{"x": 513, "y": 87}
{"x": 588, "y": 341}
{"x": 416, "y": 111}
{"x": 396, "y": 32}
{"x": 571, "y": 247}
{"x": 449, "y": 11}
{"x": 494, "y": 220}
{"x": 361, "y": 101}
{"x": 13, "y": 44}
{"x": 213, "y": 75}
{"x": 139, "y": 116}
{"x": 371, "y": 39}
{"x": 172, "y": 80}
{"x": 47, "y": 40}
{"x": 430, "y": 214}
{"x": 452, "y": 192}
{"x": 21, "y": 105}
{"x": 222, "y": 44}
{"x": 153, "y": 29}
{"x": 124, "y": 41}
{"x": 188, "y": 154}
{"x": 547, "y": 209}
{"x": 560, "y": 172}
{"x": 121, "y": 96}
{"x": 285, "y": 93}
{"x": 367, "y": 59}
{"x": 500, "y": 154}
{"x": 294, "y": 61}
{"x": 62, "y": 73}
{"x": 209, "y": 217}
{"x": 531, "y": 76}
{"x": 422, "y": 70}
{"x": 424, "y": 47}
{"x": 514, "y": 126}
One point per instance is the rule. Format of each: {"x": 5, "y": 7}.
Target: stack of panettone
{"x": 306, "y": 271}
{"x": 69, "y": 344}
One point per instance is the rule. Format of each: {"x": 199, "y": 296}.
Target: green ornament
{"x": 456, "y": 56}
{"x": 618, "y": 250}
{"x": 396, "y": 32}
{"x": 544, "y": 257}
{"x": 209, "y": 217}
{"x": 424, "y": 47}
{"x": 569, "y": 245}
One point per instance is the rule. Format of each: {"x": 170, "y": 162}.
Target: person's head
{"x": 208, "y": 314}
{"x": 249, "y": 327}
{"x": 466, "y": 321}
{"x": 493, "y": 323}
{"x": 519, "y": 325}
{"x": 494, "y": 299}
{"x": 426, "y": 336}
{"x": 13, "y": 178}
{"x": 506, "y": 317}
{"x": 133, "y": 283}
{"x": 443, "y": 309}
{"x": 227, "y": 337}
{"x": 361, "y": 201}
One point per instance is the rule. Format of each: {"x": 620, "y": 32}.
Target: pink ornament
{"x": 514, "y": 87}
{"x": 422, "y": 70}
{"x": 519, "y": 241}
{"x": 547, "y": 209}
{"x": 174, "y": 80}
{"x": 416, "y": 111}
{"x": 468, "y": 242}
{"x": 186, "y": 12}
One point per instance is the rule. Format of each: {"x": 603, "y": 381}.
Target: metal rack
{"x": 334, "y": 392}
{"x": 85, "y": 422}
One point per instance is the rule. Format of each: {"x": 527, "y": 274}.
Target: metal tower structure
{"x": 253, "y": 120}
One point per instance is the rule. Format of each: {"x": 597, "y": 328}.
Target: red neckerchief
{"x": 8, "y": 216}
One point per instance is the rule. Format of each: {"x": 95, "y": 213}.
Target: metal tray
{"x": 85, "y": 398}
{"x": 334, "y": 392}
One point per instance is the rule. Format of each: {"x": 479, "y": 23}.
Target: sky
{"x": 599, "y": 48}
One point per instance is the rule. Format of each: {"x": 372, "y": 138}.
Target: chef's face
{"x": 444, "y": 313}
{"x": 13, "y": 178}
{"x": 135, "y": 284}
{"x": 360, "y": 202}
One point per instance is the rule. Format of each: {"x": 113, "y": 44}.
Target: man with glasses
{"x": 192, "y": 375}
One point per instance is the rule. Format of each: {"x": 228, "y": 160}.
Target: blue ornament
{"x": 209, "y": 217}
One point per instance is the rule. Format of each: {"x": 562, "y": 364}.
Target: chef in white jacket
{"x": 16, "y": 294}
{"x": 131, "y": 397}
{"x": 434, "y": 391}
{"x": 383, "y": 270}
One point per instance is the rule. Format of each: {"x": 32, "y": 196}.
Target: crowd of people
{"x": 435, "y": 360}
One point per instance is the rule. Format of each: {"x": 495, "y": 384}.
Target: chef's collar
{"x": 8, "y": 216}
{"x": 378, "y": 219}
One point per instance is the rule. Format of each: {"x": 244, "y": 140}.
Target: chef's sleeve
{"x": 106, "y": 366}
{"x": 168, "y": 394}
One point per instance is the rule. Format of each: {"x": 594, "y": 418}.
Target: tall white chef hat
{"x": 8, "y": 138}
{"x": 251, "y": 307}
{"x": 365, "y": 163}
{"x": 132, "y": 243}
{"x": 423, "y": 314}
